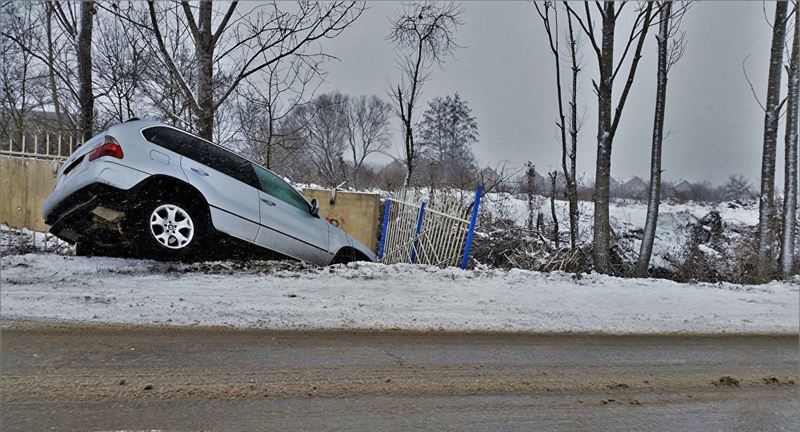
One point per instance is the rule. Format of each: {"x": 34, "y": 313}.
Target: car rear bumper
{"x": 87, "y": 175}
{"x": 77, "y": 214}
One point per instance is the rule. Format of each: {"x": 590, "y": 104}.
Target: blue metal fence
{"x": 419, "y": 230}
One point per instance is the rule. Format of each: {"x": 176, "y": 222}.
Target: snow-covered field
{"x": 627, "y": 220}
{"x": 49, "y": 287}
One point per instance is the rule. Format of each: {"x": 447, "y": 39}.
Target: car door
{"x": 287, "y": 223}
{"x": 229, "y": 185}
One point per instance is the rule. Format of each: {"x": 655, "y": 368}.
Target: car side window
{"x": 225, "y": 162}
{"x": 204, "y": 152}
{"x": 275, "y": 186}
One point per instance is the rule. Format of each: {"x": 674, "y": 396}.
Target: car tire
{"x": 170, "y": 229}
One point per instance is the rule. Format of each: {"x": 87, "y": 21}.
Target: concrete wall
{"x": 357, "y": 214}
{"x": 24, "y": 185}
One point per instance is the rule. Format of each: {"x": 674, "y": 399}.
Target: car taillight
{"x": 109, "y": 148}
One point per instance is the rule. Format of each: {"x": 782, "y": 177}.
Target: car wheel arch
{"x": 347, "y": 254}
{"x": 161, "y": 184}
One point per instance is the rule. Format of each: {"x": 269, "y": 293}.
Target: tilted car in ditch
{"x": 165, "y": 193}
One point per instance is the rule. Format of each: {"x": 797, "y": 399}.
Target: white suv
{"x": 169, "y": 194}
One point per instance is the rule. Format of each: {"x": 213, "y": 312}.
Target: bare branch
{"x": 750, "y": 83}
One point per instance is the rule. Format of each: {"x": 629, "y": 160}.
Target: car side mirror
{"x": 314, "y": 207}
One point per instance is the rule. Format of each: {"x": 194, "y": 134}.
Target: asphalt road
{"x": 211, "y": 379}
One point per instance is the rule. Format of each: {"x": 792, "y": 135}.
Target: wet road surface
{"x": 71, "y": 378}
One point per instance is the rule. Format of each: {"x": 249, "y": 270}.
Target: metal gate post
{"x": 415, "y": 244}
{"x": 472, "y": 220}
{"x": 387, "y": 208}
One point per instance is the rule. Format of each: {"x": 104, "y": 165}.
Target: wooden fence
{"x": 24, "y": 185}
{"x": 28, "y": 168}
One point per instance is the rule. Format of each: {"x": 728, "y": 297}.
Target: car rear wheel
{"x": 170, "y": 229}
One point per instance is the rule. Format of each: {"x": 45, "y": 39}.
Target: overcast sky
{"x": 505, "y": 71}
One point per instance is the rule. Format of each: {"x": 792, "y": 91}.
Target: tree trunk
{"x": 271, "y": 134}
{"x": 530, "y": 173}
{"x": 766, "y": 207}
{"x": 85, "y": 91}
{"x": 409, "y": 138}
{"x": 571, "y": 177}
{"x": 654, "y": 198}
{"x": 204, "y": 50}
{"x": 553, "y": 177}
{"x": 790, "y": 178}
{"x": 602, "y": 230}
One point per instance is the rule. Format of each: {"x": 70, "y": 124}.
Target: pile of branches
{"x": 505, "y": 245}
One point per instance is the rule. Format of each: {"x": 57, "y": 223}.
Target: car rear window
{"x": 170, "y": 139}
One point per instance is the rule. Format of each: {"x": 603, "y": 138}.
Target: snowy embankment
{"x": 57, "y": 288}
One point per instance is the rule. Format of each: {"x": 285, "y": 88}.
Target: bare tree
{"x": 264, "y": 102}
{"x": 67, "y": 53}
{"x": 772, "y": 108}
{"x": 243, "y": 44}
{"x": 790, "y": 177}
{"x": 568, "y": 149}
{"x": 671, "y": 45}
{"x": 570, "y": 170}
{"x": 119, "y": 66}
{"x": 18, "y": 69}
{"x": 321, "y": 126}
{"x": 424, "y": 35}
{"x": 608, "y": 120}
{"x": 737, "y": 187}
{"x": 367, "y": 123}
{"x": 163, "y": 90}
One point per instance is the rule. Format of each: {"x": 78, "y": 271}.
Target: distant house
{"x": 538, "y": 184}
{"x": 635, "y": 188}
{"x": 683, "y": 188}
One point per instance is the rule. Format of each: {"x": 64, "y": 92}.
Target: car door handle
{"x": 268, "y": 202}
{"x": 199, "y": 171}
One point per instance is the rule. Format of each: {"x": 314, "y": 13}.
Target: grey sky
{"x": 505, "y": 71}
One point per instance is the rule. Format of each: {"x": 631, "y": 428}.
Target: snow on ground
{"x": 48, "y": 287}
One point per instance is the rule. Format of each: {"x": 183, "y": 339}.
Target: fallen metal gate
{"x": 435, "y": 233}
